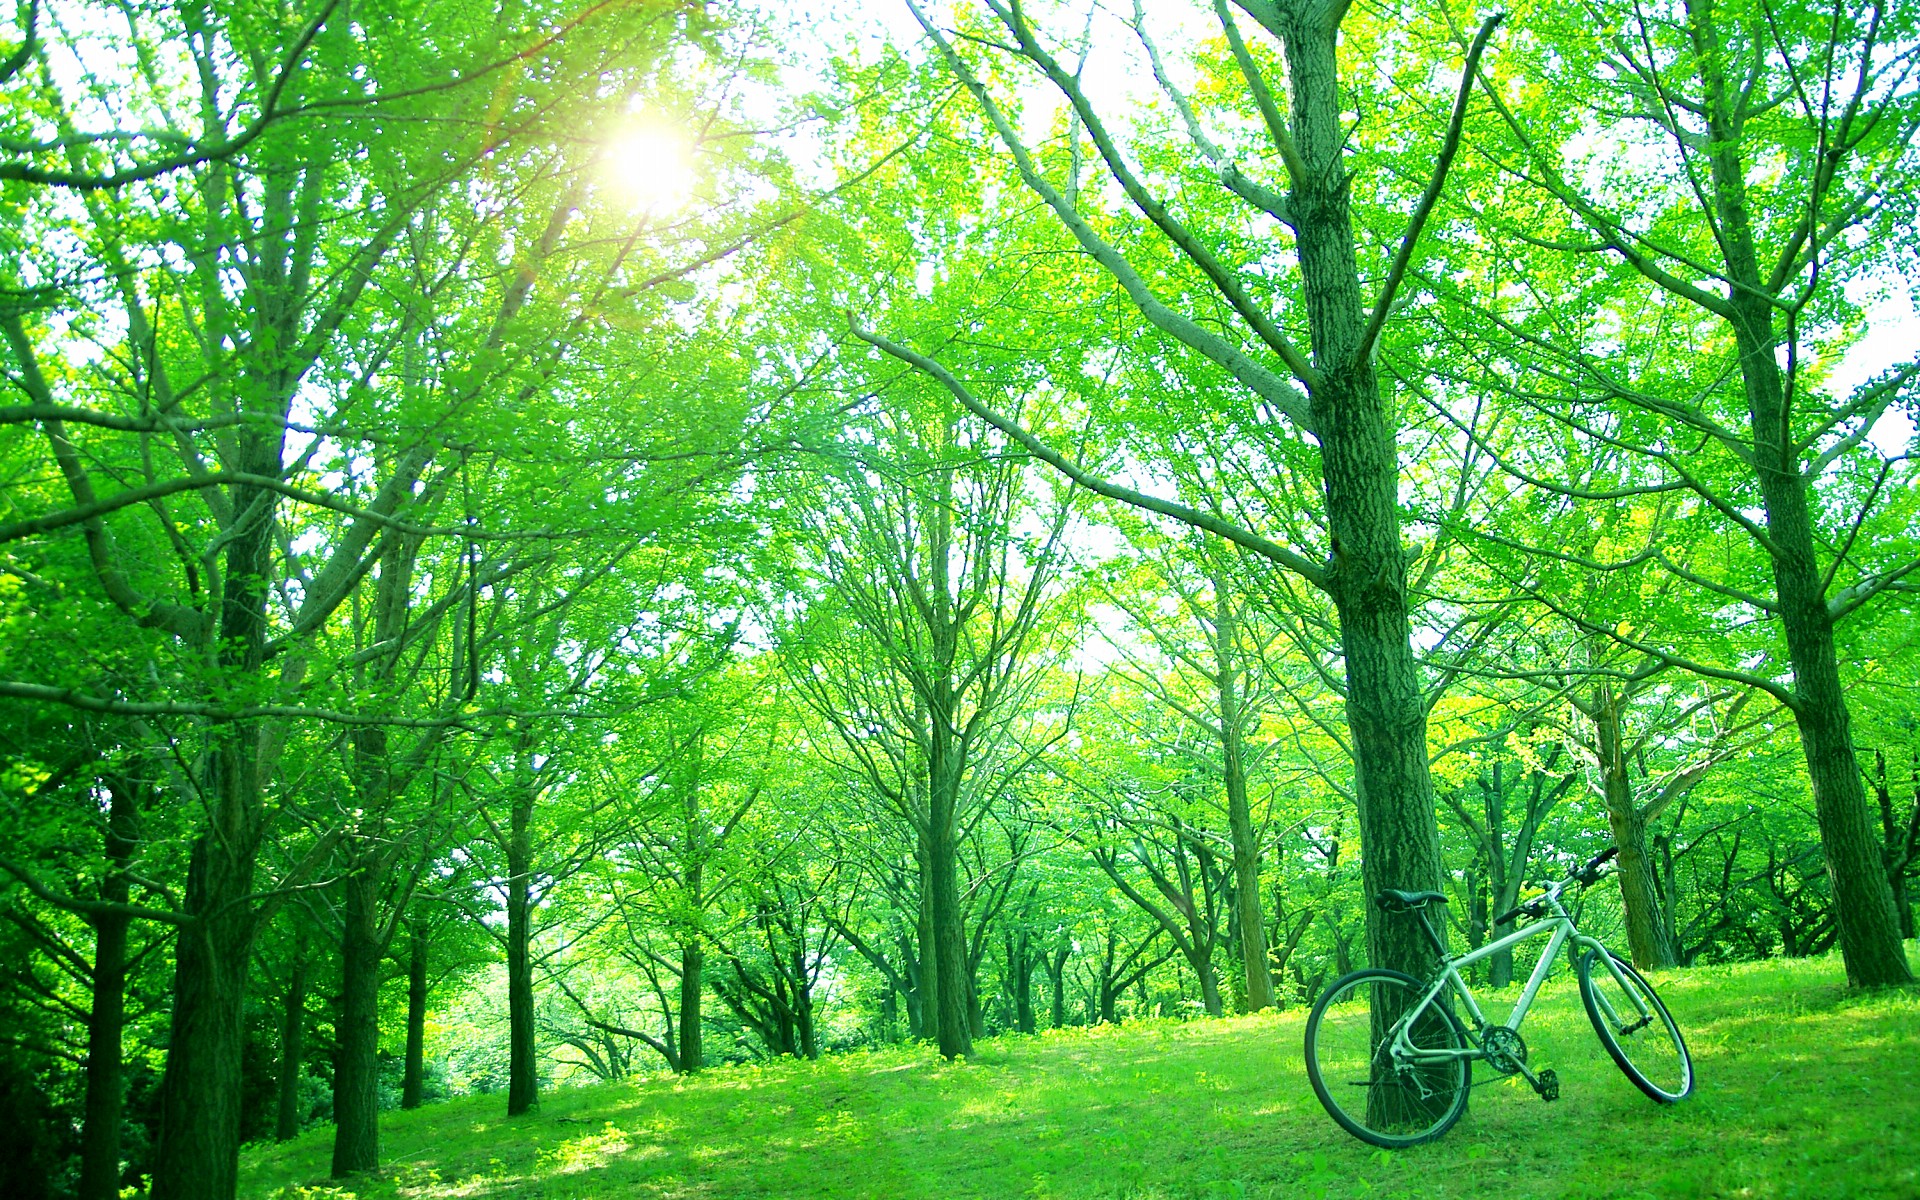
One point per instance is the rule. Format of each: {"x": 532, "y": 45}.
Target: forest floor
{"x": 1804, "y": 1090}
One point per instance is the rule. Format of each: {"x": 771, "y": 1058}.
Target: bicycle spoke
{"x": 1398, "y": 1101}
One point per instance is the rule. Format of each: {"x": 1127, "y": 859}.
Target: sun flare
{"x": 650, "y": 167}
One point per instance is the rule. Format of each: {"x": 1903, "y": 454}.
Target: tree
{"x": 1708, "y": 95}
{"x": 1227, "y": 659}
{"x": 1330, "y": 392}
{"x": 920, "y": 543}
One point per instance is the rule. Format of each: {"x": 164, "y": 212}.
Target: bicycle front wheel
{"x": 1636, "y": 1028}
{"x": 1380, "y": 1098}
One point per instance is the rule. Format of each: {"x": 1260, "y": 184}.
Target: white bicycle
{"x": 1393, "y": 1063}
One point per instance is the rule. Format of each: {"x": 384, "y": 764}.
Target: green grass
{"x": 1805, "y": 1090}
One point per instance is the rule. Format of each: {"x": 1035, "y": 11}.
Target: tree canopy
{"x": 548, "y": 541}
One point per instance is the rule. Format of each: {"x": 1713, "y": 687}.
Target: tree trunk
{"x": 1251, "y": 924}
{"x": 293, "y": 1039}
{"x": 803, "y": 1004}
{"x": 413, "y": 1080}
{"x": 522, "y": 1079}
{"x": 928, "y": 993}
{"x": 197, "y": 1157}
{"x": 693, "y": 960}
{"x": 1020, "y": 976}
{"x": 946, "y": 768}
{"x": 1209, "y": 987}
{"x": 953, "y": 1030}
{"x": 1479, "y": 915}
{"x": 1057, "y": 976}
{"x": 916, "y": 1019}
{"x": 1639, "y": 894}
{"x": 356, "y": 1080}
{"x": 1359, "y": 461}
{"x": 1105, "y": 1010}
{"x": 106, "y": 1021}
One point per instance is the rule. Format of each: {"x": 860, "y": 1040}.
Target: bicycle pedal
{"x": 1548, "y": 1085}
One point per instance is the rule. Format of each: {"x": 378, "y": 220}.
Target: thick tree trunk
{"x": 356, "y": 1076}
{"x": 1386, "y": 713}
{"x": 1639, "y": 894}
{"x": 356, "y": 1081}
{"x": 522, "y": 1077}
{"x": 946, "y": 752}
{"x": 198, "y": 1153}
{"x": 293, "y": 1042}
{"x": 693, "y": 960}
{"x": 100, "y": 1136}
{"x": 413, "y": 1080}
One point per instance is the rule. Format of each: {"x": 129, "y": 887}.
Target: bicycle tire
{"x": 1658, "y": 1065}
{"x": 1409, "y": 1106}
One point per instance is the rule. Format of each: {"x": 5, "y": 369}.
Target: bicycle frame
{"x": 1561, "y": 928}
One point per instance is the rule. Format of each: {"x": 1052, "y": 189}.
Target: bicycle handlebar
{"x": 1590, "y": 874}
{"x": 1586, "y": 876}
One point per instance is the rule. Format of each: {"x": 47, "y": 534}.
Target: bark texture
{"x": 692, "y": 967}
{"x": 1639, "y": 891}
{"x": 1386, "y": 712}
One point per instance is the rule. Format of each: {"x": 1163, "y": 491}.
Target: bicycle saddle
{"x": 1395, "y": 900}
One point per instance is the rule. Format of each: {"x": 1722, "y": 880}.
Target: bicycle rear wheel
{"x": 1349, "y": 1061}
{"x": 1636, "y": 1028}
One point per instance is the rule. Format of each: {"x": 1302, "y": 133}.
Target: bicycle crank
{"x": 1505, "y": 1051}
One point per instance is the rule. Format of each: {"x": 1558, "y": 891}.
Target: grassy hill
{"x": 1804, "y": 1091}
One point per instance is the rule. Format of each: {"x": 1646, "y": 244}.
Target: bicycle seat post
{"x": 1426, "y": 927}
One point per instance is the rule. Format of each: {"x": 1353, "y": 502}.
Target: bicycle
{"x": 1392, "y": 1062}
